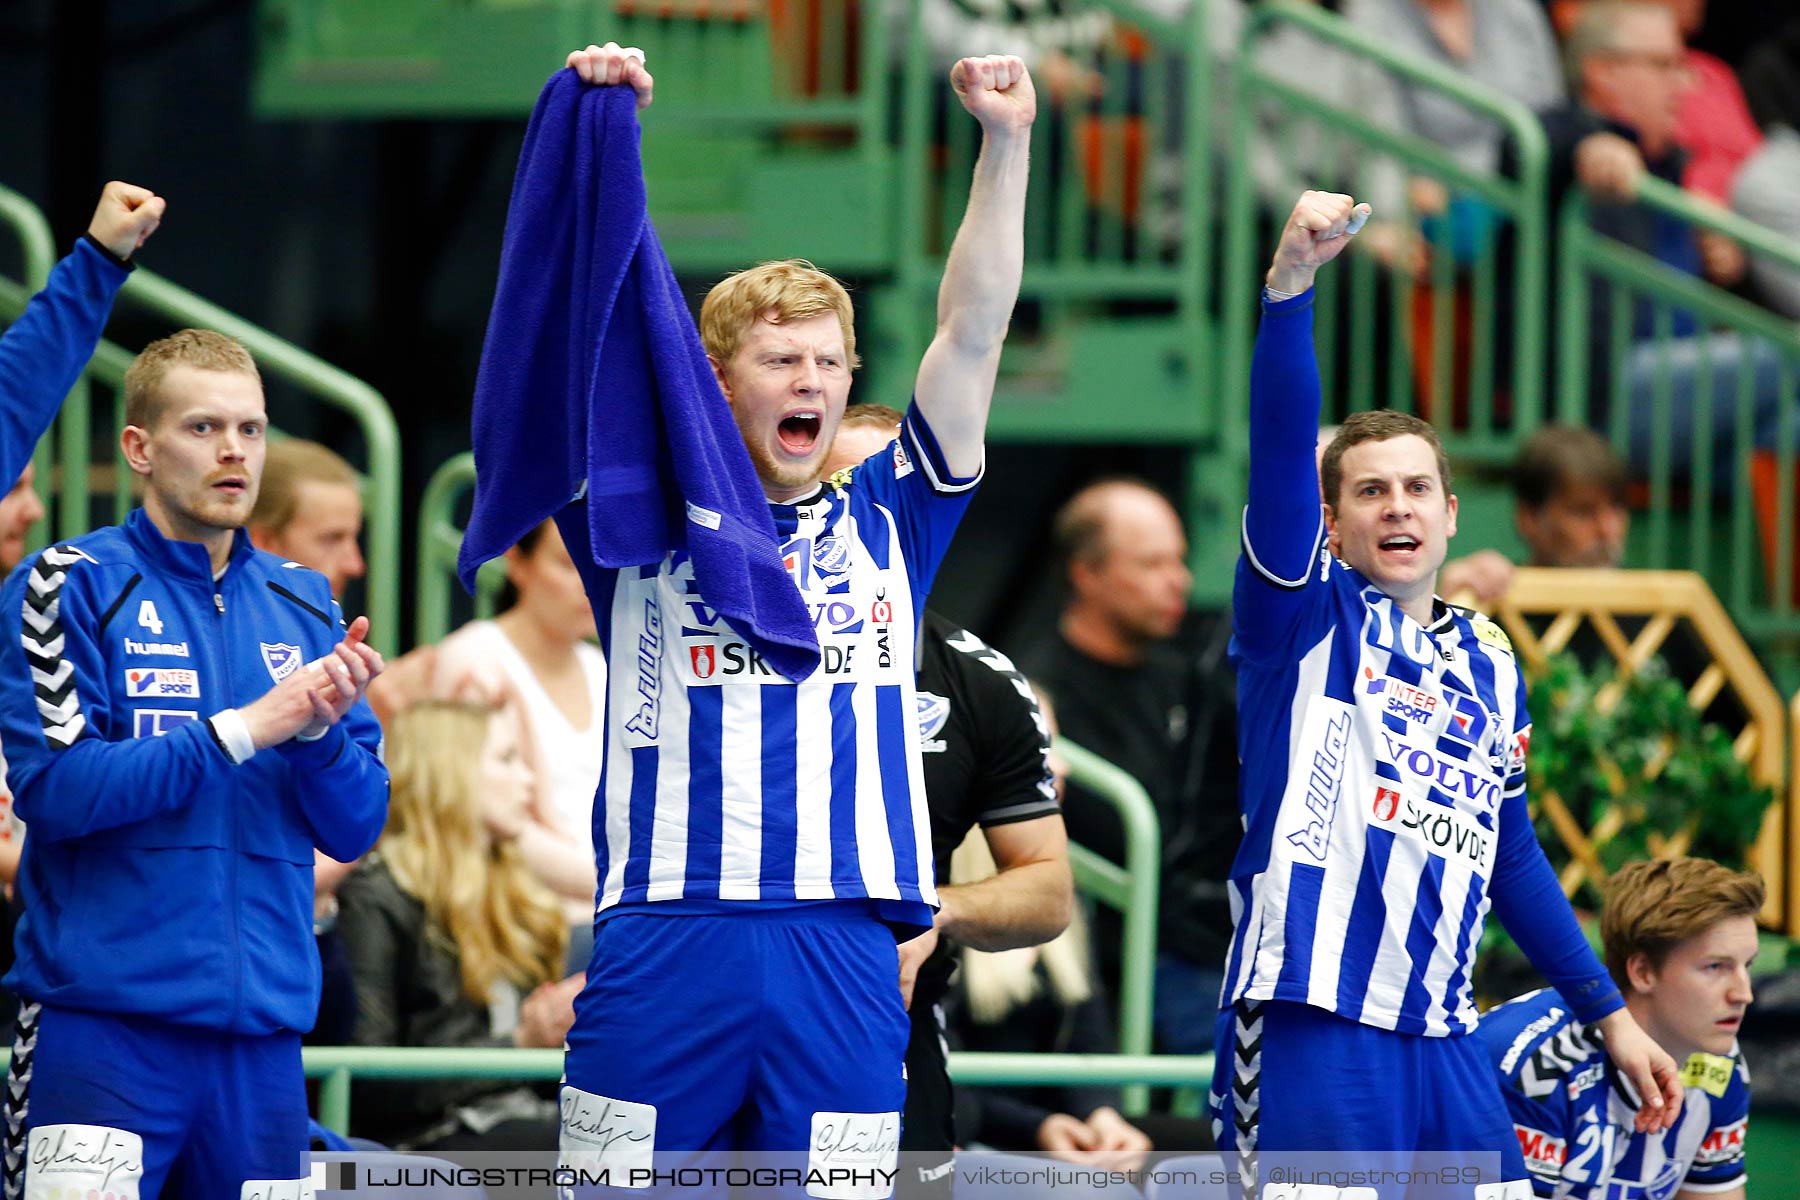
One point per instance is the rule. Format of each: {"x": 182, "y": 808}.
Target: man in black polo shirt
{"x": 1158, "y": 701}
{"x": 986, "y": 762}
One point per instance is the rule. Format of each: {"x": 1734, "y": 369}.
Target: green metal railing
{"x": 743, "y": 61}
{"x": 36, "y": 245}
{"x": 337, "y": 1065}
{"x": 769, "y": 135}
{"x": 440, "y": 538}
{"x": 1703, "y": 504}
{"x": 1384, "y": 336}
{"x": 1467, "y": 407}
{"x": 1118, "y": 212}
{"x": 72, "y": 434}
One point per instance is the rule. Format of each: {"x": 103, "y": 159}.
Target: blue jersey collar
{"x": 186, "y": 561}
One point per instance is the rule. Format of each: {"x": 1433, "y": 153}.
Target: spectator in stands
{"x": 1055, "y": 39}
{"x": 1767, "y": 191}
{"x": 1679, "y": 937}
{"x": 1570, "y": 493}
{"x": 1162, "y": 710}
{"x": 538, "y": 658}
{"x": 310, "y": 511}
{"x": 1292, "y": 152}
{"x": 1506, "y": 45}
{"x": 1771, "y": 74}
{"x": 452, "y": 939}
{"x": 985, "y": 750}
{"x": 1631, "y": 74}
{"x": 1713, "y": 125}
{"x": 409, "y": 679}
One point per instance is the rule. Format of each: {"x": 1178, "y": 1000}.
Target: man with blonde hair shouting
{"x": 762, "y": 836}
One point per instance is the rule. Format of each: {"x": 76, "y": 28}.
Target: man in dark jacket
{"x": 1165, "y": 715}
{"x": 1630, "y": 74}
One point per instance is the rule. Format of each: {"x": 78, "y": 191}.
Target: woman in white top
{"x": 538, "y": 656}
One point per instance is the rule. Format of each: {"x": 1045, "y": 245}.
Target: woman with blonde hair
{"x": 452, "y": 939}
{"x": 538, "y": 658}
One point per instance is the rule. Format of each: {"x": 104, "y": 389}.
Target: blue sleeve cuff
{"x": 917, "y": 440}
{"x": 1290, "y": 305}
{"x": 318, "y": 754}
{"x": 1601, "y": 1001}
{"x": 89, "y": 244}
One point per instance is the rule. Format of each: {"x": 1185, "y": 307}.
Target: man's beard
{"x": 787, "y": 476}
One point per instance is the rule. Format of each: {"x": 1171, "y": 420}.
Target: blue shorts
{"x": 1300, "y": 1088}
{"x": 96, "y": 1099}
{"x": 739, "y": 1032}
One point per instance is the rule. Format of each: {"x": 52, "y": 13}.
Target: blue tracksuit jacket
{"x": 160, "y": 877}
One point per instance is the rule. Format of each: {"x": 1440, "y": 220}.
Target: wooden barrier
{"x": 1543, "y": 612}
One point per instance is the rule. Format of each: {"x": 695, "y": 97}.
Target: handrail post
{"x": 1573, "y": 310}
{"x": 1143, "y": 870}
{"x": 910, "y": 268}
{"x": 1632, "y": 276}
{"x": 334, "y": 1101}
{"x": 1195, "y": 249}
{"x": 438, "y": 535}
{"x": 1530, "y": 272}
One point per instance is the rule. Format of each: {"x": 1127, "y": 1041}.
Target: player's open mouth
{"x": 799, "y": 432}
{"x": 1400, "y": 543}
{"x": 231, "y": 487}
{"x": 1729, "y": 1022}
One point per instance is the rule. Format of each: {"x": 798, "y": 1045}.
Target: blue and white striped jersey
{"x": 725, "y": 781}
{"x": 1375, "y": 760}
{"x": 1574, "y": 1114}
{"x": 1383, "y": 780}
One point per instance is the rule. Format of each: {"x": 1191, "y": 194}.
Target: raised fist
{"x": 997, "y": 91}
{"x": 1317, "y": 231}
{"x": 125, "y": 217}
{"x": 614, "y": 64}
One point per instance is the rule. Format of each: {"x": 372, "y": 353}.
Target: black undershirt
{"x": 984, "y": 753}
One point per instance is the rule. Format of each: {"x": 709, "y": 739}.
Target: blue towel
{"x": 593, "y": 372}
